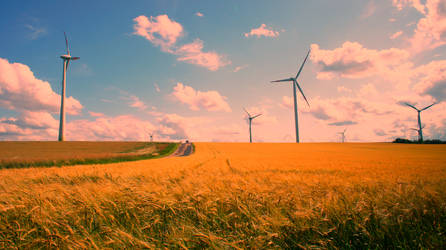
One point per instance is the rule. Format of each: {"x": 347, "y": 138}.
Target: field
{"x": 235, "y": 195}
{"x": 50, "y": 153}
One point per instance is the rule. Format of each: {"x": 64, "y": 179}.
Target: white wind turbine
{"x": 343, "y": 135}
{"x": 420, "y": 127}
{"x": 250, "y": 118}
{"x": 295, "y": 83}
{"x": 66, "y": 61}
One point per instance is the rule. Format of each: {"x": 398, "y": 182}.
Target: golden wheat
{"x": 234, "y": 195}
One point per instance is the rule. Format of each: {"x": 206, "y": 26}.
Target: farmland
{"x": 235, "y": 195}
{"x": 49, "y": 153}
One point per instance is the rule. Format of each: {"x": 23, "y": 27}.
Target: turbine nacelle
{"x": 69, "y": 57}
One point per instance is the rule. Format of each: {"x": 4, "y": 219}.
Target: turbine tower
{"x": 66, "y": 61}
{"x": 296, "y": 84}
{"x": 250, "y": 118}
{"x": 420, "y": 127}
{"x": 343, "y": 135}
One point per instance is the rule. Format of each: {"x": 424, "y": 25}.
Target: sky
{"x": 182, "y": 69}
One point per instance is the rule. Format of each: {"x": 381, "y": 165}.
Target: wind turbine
{"x": 250, "y": 118}
{"x": 343, "y": 135}
{"x": 295, "y": 83}
{"x": 151, "y": 137}
{"x": 66, "y": 61}
{"x": 420, "y": 128}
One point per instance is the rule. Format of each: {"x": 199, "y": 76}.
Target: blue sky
{"x": 367, "y": 58}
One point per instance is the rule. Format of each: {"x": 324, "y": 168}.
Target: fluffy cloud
{"x": 431, "y": 29}
{"x": 414, "y": 3}
{"x": 135, "y": 102}
{"x": 193, "y": 53}
{"x": 199, "y": 14}
{"x": 160, "y": 30}
{"x": 352, "y": 60}
{"x": 432, "y": 80}
{"x": 118, "y": 128}
{"x": 21, "y": 90}
{"x": 164, "y": 32}
{"x": 172, "y": 126}
{"x": 29, "y": 126}
{"x": 176, "y": 127}
{"x": 209, "y": 100}
{"x": 262, "y": 31}
{"x": 345, "y": 110}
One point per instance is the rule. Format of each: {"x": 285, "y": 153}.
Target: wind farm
{"x": 143, "y": 143}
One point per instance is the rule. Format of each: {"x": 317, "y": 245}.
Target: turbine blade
{"x": 410, "y": 105}
{"x": 256, "y": 116}
{"x": 283, "y": 80}
{"x": 247, "y": 112}
{"x": 295, "y": 82}
{"x": 68, "y": 62}
{"x": 429, "y": 106}
{"x": 75, "y": 58}
{"x": 66, "y": 42}
{"x": 301, "y": 67}
{"x": 414, "y": 129}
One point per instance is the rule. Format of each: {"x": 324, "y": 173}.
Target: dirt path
{"x": 184, "y": 149}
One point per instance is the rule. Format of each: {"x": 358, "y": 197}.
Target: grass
{"x": 47, "y": 154}
{"x": 235, "y": 195}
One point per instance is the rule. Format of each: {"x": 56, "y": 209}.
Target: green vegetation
{"x": 80, "y": 153}
{"x": 402, "y": 140}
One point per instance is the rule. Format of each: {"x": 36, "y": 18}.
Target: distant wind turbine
{"x": 151, "y": 137}
{"x": 343, "y": 135}
{"x": 295, "y": 83}
{"x": 66, "y": 61}
{"x": 250, "y": 118}
{"x": 420, "y": 127}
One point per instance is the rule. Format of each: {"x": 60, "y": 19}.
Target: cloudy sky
{"x": 185, "y": 69}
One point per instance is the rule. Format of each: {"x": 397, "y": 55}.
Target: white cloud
{"x": 21, "y": 90}
{"x": 196, "y": 100}
{"x": 263, "y": 30}
{"x": 35, "y": 32}
{"x": 396, "y": 35}
{"x": 159, "y": 30}
{"x": 164, "y": 32}
{"x": 135, "y": 102}
{"x": 199, "y": 14}
{"x": 352, "y": 60}
{"x": 238, "y": 68}
{"x": 193, "y": 53}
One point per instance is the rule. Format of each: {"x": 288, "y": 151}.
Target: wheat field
{"x": 18, "y": 154}
{"x": 235, "y": 195}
